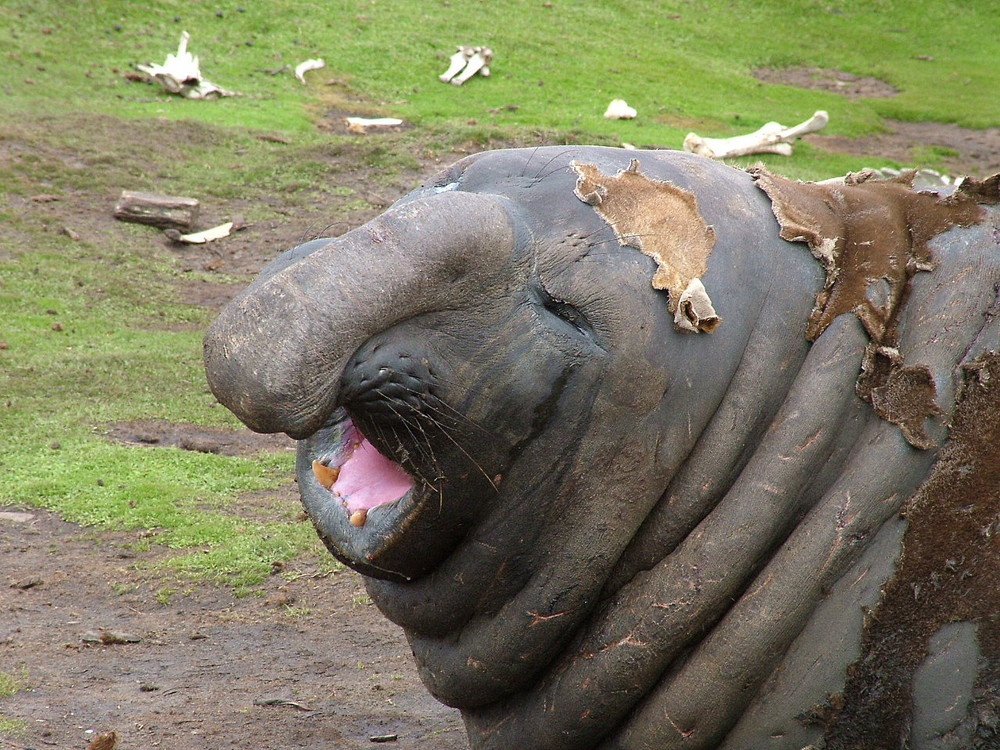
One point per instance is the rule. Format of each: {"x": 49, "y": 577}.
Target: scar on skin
{"x": 870, "y": 234}
{"x": 663, "y": 221}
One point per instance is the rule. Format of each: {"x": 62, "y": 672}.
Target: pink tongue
{"x": 368, "y": 479}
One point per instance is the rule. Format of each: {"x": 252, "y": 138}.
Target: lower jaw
{"x": 399, "y": 541}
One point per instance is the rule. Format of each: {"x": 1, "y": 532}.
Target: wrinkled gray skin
{"x": 625, "y": 536}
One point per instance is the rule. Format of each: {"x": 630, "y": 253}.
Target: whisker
{"x": 438, "y": 402}
{"x": 428, "y": 454}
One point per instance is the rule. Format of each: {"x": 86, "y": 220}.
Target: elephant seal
{"x": 644, "y": 451}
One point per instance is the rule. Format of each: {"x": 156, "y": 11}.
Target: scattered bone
{"x": 359, "y": 517}
{"x": 325, "y": 475}
{"x": 181, "y": 74}
{"x": 304, "y": 67}
{"x": 456, "y": 62}
{"x": 619, "y": 110}
{"x": 207, "y": 235}
{"x": 360, "y": 125}
{"x": 772, "y": 138}
{"x": 468, "y": 60}
{"x": 164, "y": 211}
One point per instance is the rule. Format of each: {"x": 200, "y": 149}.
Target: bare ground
{"x": 308, "y": 664}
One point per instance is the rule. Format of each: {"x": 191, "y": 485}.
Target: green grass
{"x": 678, "y": 62}
{"x": 11, "y": 684}
{"x": 71, "y": 125}
{"x": 92, "y": 335}
{"x": 106, "y": 365}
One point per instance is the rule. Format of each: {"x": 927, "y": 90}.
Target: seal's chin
{"x": 359, "y": 477}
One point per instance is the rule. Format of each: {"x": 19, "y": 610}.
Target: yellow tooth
{"x": 359, "y": 517}
{"x": 325, "y": 475}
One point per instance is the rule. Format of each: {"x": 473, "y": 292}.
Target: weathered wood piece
{"x": 164, "y": 211}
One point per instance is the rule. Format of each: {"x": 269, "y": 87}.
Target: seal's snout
{"x": 388, "y": 381}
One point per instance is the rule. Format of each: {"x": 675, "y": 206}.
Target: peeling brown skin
{"x": 658, "y": 218}
{"x": 865, "y": 231}
{"x": 630, "y": 537}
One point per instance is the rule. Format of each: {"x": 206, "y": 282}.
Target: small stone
{"x": 280, "y": 599}
{"x": 27, "y": 583}
{"x": 116, "y": 638}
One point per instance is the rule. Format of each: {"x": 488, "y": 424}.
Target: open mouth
{"x": 370, "y": 512}
{"x": 359, "y": 477}
{"x": 374, "y": 509}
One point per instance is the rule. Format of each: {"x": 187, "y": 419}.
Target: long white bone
{"x": 481, "y": 57}
{"x": 772, "y": 138}
{"x": 456, "y": 63}
{"x": 304, "y": 67}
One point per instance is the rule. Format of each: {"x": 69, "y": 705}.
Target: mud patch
{"x": 949, "y": 572}
{"x": 308, "y": 663}
{"x": 210, "y": 294}
{"x": 829, "y": 79}
{"x": 191, "y": 437}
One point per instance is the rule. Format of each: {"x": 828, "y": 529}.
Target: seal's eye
{"x": 566, "y": 312}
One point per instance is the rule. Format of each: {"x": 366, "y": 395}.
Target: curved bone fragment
{"x": 772, "y": 138}
{"x": 207, "y": 235}
{"x": 481, "y": 56}
{"x": 304, "y": 67}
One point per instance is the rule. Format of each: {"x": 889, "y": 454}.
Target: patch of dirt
{"x": 955, "y": 150}
{"x": 193, "y": 437}
{"x": 828, "y": 79}
{"x": 308, "y": 664}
